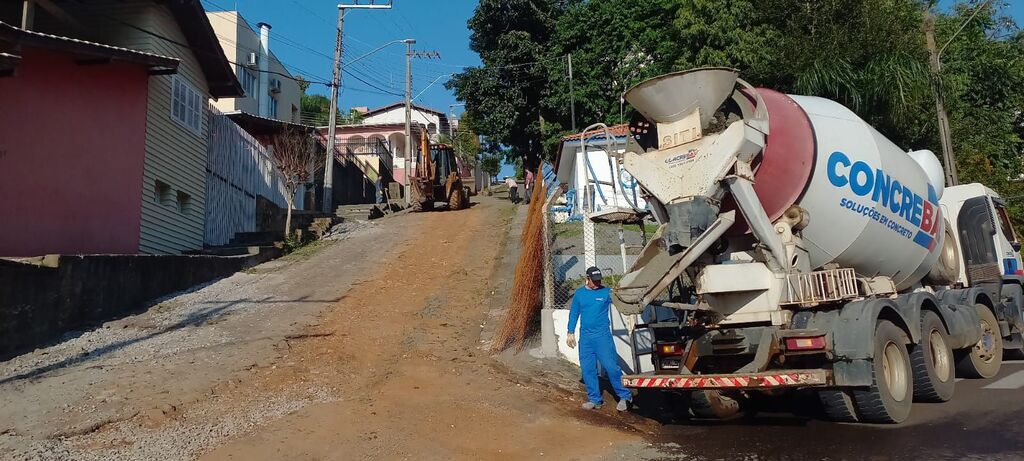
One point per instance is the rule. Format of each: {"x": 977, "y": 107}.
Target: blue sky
{"x": 303, "y": 33}
{"x": 303, "y": 39}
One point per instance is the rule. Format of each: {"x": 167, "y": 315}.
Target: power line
{"x": 207, "y": 52}
{"x": 350, "y": 74}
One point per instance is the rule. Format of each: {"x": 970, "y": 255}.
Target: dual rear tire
{"x": 900, "y": 376}
{"x": 891, "y": 393}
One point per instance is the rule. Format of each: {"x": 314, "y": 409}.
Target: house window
{"x": 249, "y": 82}
{"x": 273, "y": 107}
{"x": 161, "y": 193}
{"x": 186, "y": 105}
{"x": 184, "y": 203}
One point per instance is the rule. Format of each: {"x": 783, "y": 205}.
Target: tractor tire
{"x": 713, "y": 405}
{"x": 932, "y": 361}
{"x": 986, "y": 357}
{"x": 891, "y": 394}
{"x": 458, "y": 199}
{"x": 838, "y": 405}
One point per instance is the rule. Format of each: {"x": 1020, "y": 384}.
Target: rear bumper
{"x": 765, "y": 380}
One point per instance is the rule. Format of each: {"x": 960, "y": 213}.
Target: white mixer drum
{"x": 872, "y": 206}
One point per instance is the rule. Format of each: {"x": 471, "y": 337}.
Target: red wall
{"x": 72, "y": 147}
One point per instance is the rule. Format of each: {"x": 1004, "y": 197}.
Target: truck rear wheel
{"x": 713, "y": 405}
{"x": 890, "y": 396}
{"x": 838, "y": 405}
{"x": 984, "y": 359}
{"x": 932, "y": 361}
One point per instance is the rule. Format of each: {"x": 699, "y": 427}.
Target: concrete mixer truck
{"x": 800, "y": 250}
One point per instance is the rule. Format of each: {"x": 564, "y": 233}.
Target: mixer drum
{"x": 872, "y": 206}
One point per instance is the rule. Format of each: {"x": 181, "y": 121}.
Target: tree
{"x": 466, "y": 142}
{"x": 316, "y": 110}
{"x": 294, "y": 156}
{"x": 983, "y": 73}
{"x": 614, "y": 45}
{"x": 866, "y": 54}
{"x": 505, "y": 95}
{"x": 490, "y": 163}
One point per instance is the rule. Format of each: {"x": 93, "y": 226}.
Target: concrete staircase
{"x": 361, "y": 212}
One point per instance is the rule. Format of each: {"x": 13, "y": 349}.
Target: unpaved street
{"x": 367, "y": 348}
{"x": 374, "y": 347}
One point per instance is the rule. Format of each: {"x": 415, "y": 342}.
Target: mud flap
{"x": 961, "y": 319}
{"x": 852, "y": 331}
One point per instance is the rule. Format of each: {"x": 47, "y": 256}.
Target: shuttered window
{"x": 186, "y": 105}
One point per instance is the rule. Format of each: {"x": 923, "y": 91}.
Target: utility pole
{"x": 940, "y": 103}
{"x": 572, "y": 96}
{"x": 409, "y": 54}
{"x": 335, "y": 85}
{"x": 408, "y": 120}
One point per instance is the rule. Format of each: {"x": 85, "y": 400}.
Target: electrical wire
{"x": 207, "y": 52}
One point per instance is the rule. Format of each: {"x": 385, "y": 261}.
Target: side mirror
{"x": 1016, "y": 246}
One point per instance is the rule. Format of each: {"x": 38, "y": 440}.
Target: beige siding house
{"x": 177, "y": 125}
{"x": 241, "y": 43}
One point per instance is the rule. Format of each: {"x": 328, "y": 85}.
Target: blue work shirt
{"x": 590, "y": 308}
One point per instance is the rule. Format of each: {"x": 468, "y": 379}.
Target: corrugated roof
{"x": 19, "y": 36}
{"x": 616, "y": 130}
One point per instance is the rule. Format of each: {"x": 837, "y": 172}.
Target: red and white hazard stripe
{"x": 789, "y": 378}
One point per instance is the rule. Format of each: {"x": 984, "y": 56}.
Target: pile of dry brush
{"x": 526, "y": 287}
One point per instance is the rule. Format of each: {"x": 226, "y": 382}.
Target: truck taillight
{"x": 670, "y": 349}
{"x": 812, "y": 343}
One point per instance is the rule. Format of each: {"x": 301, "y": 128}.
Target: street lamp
{"x": 404, "y": 40}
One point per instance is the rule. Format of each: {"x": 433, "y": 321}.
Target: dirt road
{"x": 369, "y": 348}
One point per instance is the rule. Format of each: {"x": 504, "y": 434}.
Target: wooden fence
{"x": 238, "y": 168}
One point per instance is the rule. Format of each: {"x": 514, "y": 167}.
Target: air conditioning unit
{"x": 275, "y": 86}
{"x": 252, "y": 60}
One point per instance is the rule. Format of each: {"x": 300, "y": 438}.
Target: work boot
{"x": 623, "y": 405}
{"x": 591, "y": 405}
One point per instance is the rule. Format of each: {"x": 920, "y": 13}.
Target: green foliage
{"x": 490, "y": 163}
{"x": 316, "y": 109}
{"x": 466, "y": 143}
{"x": 869, "y": 55}
{"x": 504, "y": 97}
{"x": 983, "y": 80}
{"x": 614, "y": 45}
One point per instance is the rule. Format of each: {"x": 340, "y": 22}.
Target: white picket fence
{"x": 238, "y": 169}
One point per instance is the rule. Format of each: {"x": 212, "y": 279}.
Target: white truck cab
{"x": 965, "y": 207}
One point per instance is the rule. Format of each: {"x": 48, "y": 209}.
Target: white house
{"x": 435, "y": 121}
{"x": 599, "y": 170}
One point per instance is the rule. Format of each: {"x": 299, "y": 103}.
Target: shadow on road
{"x": 195, "y": 319}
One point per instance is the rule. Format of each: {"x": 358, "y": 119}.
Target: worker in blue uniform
{"x": 590, "y": 306}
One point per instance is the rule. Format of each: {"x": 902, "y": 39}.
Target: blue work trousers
{"x": 596, "y": 349}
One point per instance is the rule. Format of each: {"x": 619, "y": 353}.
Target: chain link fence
{"x": 575, "y": 244}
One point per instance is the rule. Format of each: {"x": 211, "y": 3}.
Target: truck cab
{"x": 989, "y": 256}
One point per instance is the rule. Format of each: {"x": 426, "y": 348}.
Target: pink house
{"x": 72, "y": 148}
{"x": 362, "y": 141}
{"x": 104, "y": 128}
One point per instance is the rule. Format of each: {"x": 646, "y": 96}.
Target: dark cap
{"x": 594, "y": 274}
